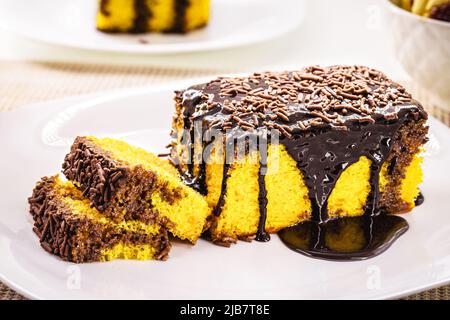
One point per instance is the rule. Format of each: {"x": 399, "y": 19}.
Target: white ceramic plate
{"x": 72, "y": 23}
{"x": 34, "y": 140}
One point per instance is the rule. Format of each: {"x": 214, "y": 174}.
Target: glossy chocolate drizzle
{"x": 322, "y": 152}
{"x": 323, "y": 156}
{"x": 419, "y": 200}
{"x": 218, "y": 209}
{"x": 261, "y": 234}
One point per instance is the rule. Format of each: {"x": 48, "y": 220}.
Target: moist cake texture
{"x": 126, "y": 183}
{"x": 344, "y": 141}
{"x": 68, "y": 227}
{"x": 139, "y": 16}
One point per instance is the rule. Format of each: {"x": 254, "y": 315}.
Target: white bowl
{"x": 422, "y": 45}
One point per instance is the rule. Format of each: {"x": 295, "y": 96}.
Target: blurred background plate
{"x": 71, "y": 23}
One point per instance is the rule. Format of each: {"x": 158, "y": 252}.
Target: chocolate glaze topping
{"x": 296, "y": 102}
{"x": 323, "y": 156}
{"x": 218, "y": 209}
{"x": 327, "y": 118}
{"x": 419, "y": 200}
{"x": 261, "y": 234}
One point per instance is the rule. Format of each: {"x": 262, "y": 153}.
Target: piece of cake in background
{"x": 70, "y": 228}
{"x": 140, "y": 16}
{"x": 349, "y": 144}
{"x": 434, "y": 9}
{"x": 126, "y": 183}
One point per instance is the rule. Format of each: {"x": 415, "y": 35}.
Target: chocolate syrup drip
{"x": 345, "y": 239}
{"x": 201, "y": 180}
{"x": 218, "y": 209}
{"x": 198, "y": 182}
{"x": 371, "y": 207}
{"x": 142, "y": 14}
{"x": 261, "y": 234}
{"x": 323, "y": 156}
{"x": 419, "y": 200}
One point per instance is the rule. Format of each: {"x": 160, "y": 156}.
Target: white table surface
{"x": 333, "y": 32}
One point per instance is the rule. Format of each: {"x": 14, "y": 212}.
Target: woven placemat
{"x": 23, "y": 83}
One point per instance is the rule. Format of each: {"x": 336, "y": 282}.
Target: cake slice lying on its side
{"x": 344, "y": 141}
{"x": 68, "y": 227}
{"x": 139, "y": 16}
{"x": 126, "y": 183}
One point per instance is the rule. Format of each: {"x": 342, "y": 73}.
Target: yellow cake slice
{"x": 342, "y": 141}
{"x": 139, "y": 16}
